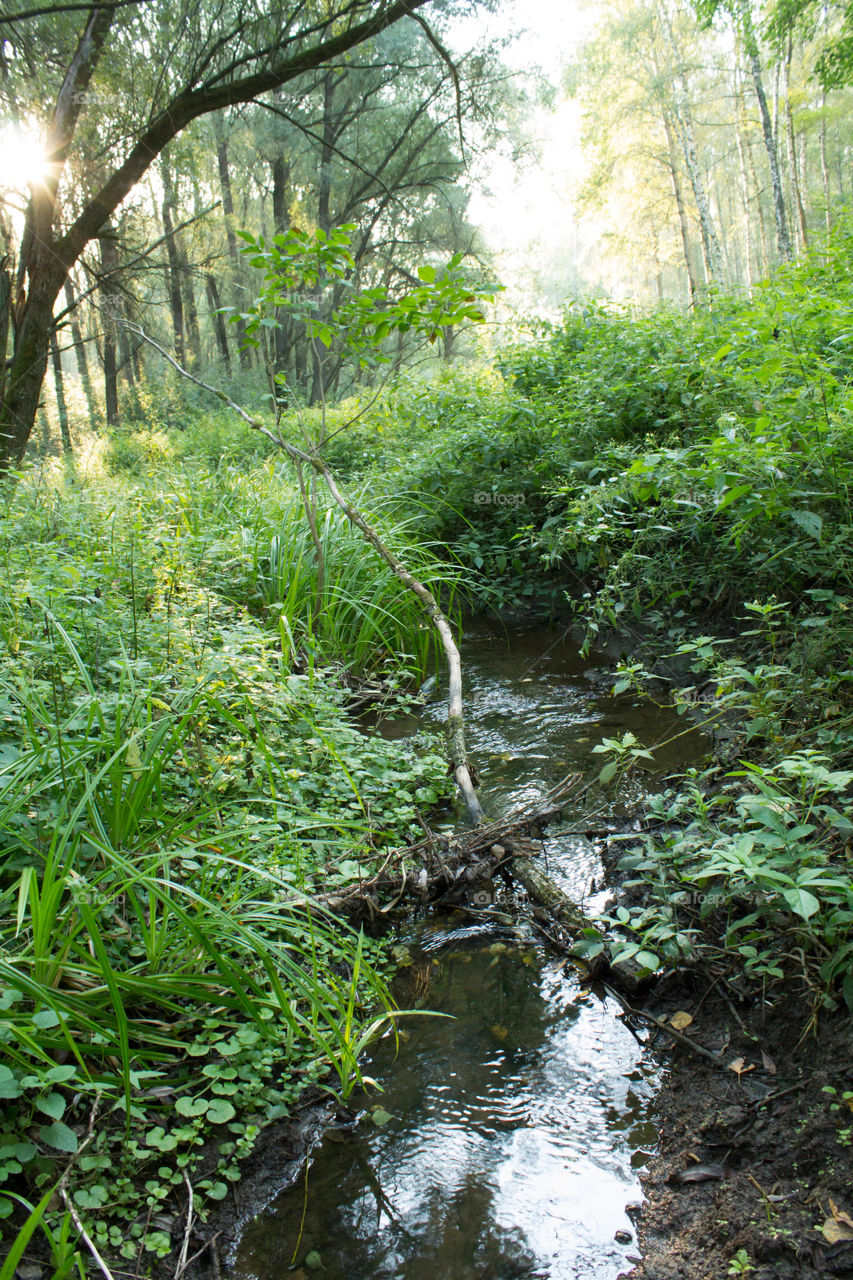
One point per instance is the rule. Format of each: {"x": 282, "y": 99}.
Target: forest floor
{"x": 754, "y": 1174}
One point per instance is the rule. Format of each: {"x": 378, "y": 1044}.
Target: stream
{"x": 508, "y": 1139}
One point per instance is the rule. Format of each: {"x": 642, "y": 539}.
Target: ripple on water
{"x": 509, "y": 1151}
{"x": 518, "y": 1126}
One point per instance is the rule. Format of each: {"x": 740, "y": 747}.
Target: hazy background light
{"x": 525, "y": 205}
{"x": 22, "y": 158}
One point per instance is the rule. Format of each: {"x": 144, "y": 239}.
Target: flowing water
{"x": 509, "y": 1137}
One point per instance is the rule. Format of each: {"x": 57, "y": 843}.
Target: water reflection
{"x": 509, "y": 1149}
{"x": 535, "y": 709}
{"x": 517, "y": 1129}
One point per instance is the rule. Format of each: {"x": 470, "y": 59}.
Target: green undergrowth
{"x": 689, "y": 475}
{"x": 179, "y": 780}
{"x": 747, "y": 861}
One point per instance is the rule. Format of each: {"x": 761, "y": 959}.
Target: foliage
{"x": 759, "y": 857}
{"x": 174, "y": 788}
{"x": 727, "y": 433}
{"x": 308, "y": 279}
{"x": 690, "y": 475}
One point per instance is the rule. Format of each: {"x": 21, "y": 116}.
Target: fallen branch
{"x": 182, "y": 1261}
{"x": 84, "y": 1235}
{"x": 455, "y": 724}
{"x": 62, "y": 1191}
{"x": 669, "y": 1030}
{"x": 480, "y": 854}
{"x": 208, "y": 1244}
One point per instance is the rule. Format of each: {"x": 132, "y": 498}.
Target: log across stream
{"x": 507, "y": 1142}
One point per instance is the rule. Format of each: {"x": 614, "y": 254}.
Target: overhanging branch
{"x": 455, "y": 724}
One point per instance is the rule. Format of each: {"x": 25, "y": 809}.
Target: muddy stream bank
{"x": 508, "y": 1138}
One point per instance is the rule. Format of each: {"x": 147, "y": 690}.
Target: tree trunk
{"x": 5, "y": 313}
{"x": 682, "y": 212}
{"x": 109, "y": 308}
{"x": 710, "y": 244}
{"x": 763, "y": 235}
{"x": 682, "y": 118}
{"x": 61, "y": 406}
{"x": 80, "y": 356}
{"x": 47, "y": 255}
{"x": 181, "y": 292}
{"x": 32, "y": 317}
{"x": 125, "y": 362}
{"x": 281, "y": 221}
{"x": 228, "y": 211}
{"x": 324, "y": 217}
{"x": 173, "y": 274}
{"x": 783, "y": 237}
{"x": 793, "y": 172}
{"x": 217, "y": 319}
{"x": 824, "y": 166}
{"x": 136, "y": 348}
{"x": 749, "y": 251}
{"x": 193, "y": 333}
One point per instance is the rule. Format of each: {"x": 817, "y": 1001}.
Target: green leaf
{"x": 732, "y": 495}
{"x": 60, "y": 1075}
{"x": 22, "y": 1151}
{"x": 380, "y": 1116}
{"x": 92, "y": 1197}
{"x": 9, "y": 1086}
{"x": 810, "y": 521}
{"x": 60, "y": 1136}
{"x": 53, "y": 1105}
{"x": 220, "y": 1111}
{"x": 801, "y": 902}
{"x": 313, "y": 1261}
{"x": 186, "y": 1106}
{"x": 22, "y": 1239}
{"x": 609, "y": 772}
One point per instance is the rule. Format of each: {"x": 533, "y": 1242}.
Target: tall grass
{"x": 362, "y": 616}
{"x": 173, "y": 791}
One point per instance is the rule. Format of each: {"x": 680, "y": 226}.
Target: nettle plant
{"x": 764, "y": 850}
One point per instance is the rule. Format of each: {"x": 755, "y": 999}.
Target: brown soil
{"x": 763, "y": 1144}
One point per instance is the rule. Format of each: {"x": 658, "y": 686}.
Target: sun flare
{"x": 22, "y": 159}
